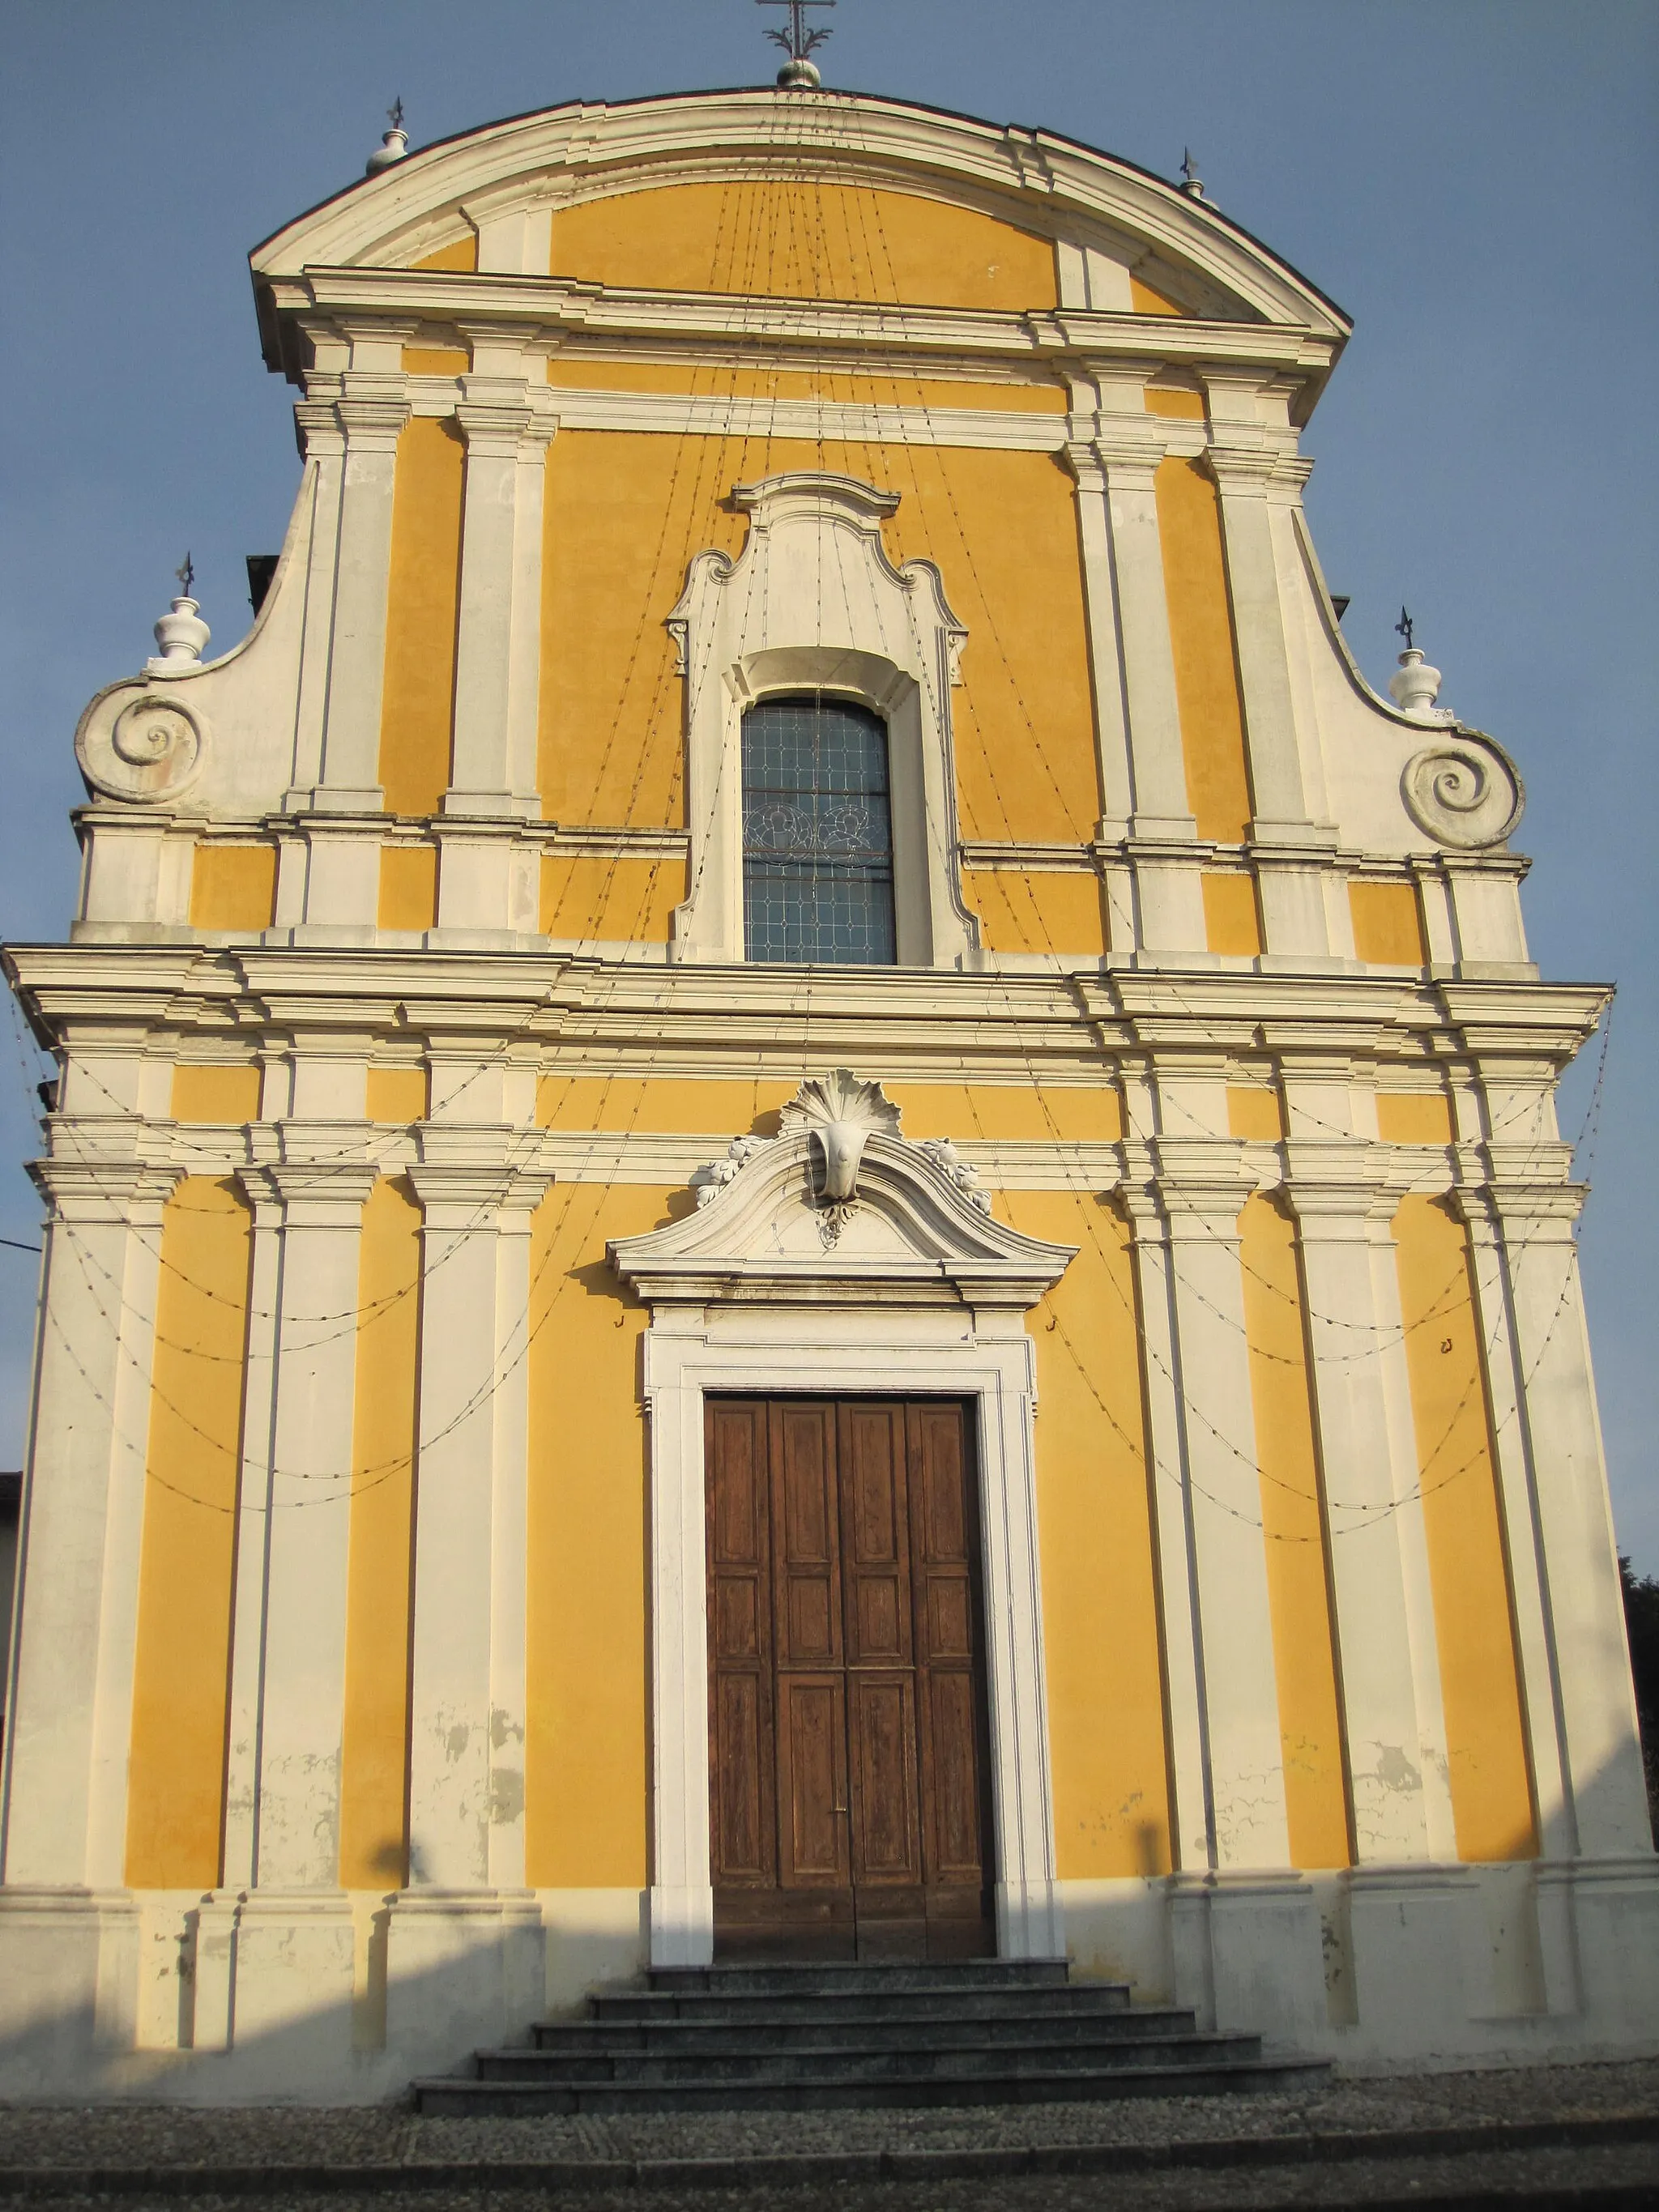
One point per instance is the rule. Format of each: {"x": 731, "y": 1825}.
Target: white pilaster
{"x": 1237, "y": 1683}
{"x": 1401, "y": 1804}
{"x": 66, "y": 1764}
{"x": 1563, "y": 1557}
{"x": 370, "y": 412}
{"x": 467, "y": 1735}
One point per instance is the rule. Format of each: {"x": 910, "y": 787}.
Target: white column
{"x": 1169, "y": 897}
{"x": 371, "y": 411}
{"x": 1245, "y": 457}
{"x": 1402, "y": 1802}
{"x": 323, "y": 442}
{"x": 489, "y": 881}
{"x": 66, "y": 1748}
{"x": 466, "y": 1917}
{"x": 293, "y": 1939}
{"x": 1563, "y": 1556}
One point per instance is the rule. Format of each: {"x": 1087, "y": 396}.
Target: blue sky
{"x": 1473, "y": 180}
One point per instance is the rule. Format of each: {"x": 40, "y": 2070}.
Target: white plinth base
{"x": 1393, "y": 1969}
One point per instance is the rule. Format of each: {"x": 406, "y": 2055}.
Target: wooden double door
{"x": 848, "y": 1750}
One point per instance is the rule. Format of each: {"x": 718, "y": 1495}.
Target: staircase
{"x": 810, "y": 2038}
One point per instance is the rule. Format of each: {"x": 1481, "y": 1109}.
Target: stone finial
{"x": 393, "y": 146}
{"x": 181, "y": 633}
{"x": 1414, "y": 686}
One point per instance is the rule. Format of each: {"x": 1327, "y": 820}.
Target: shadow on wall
{"x": 159, "y": 1998}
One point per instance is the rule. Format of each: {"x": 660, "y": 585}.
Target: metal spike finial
{"x": 1403, "y": 628}
{"x": 798, "y": 73}
{"x": 394, "y": 114}
{"x": 1191, "y": 183}
{"x": 185, "y": 572}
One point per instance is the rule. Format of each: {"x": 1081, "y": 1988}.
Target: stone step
{"x": 920, "y": 2003}
{"x": 852, "y": 2062}
{"x": 462, "y": 2098}
{"x": 807, "y": 1977}
{"x": 867, "y": 2026}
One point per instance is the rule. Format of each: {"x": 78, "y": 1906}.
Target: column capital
{"x": 313, "y": 1194}
{"x": 129, "y": 1191}
{"x": 372, "y": 422}
{"x": 1545, "y": 1213}
{"x": 494, "y": 419}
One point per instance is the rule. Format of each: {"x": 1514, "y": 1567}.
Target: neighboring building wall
{"x": 405, "y": 1014}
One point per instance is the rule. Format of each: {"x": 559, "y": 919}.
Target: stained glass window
{"x": 817, "y": 837}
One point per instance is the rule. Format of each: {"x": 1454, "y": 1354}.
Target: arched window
{"x": 818, "y": 834}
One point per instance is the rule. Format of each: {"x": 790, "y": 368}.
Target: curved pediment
{"x": 911, "y": 1233}
{"x": 498, "y": 189}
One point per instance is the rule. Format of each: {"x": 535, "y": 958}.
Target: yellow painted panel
{"x": 374, "y": 1747}
{"x": 215, "y": 1094}
{"x": 1183, "y": 406}
{"x": 181, "y": 1672}
{"x": 585, "y": 894}
{"x": 674, "y": 1104}
{"x": 1202, "y": 636}
{"x": 1143, "y": 301}
{"x": 799, "y": 238}
{"x": 1100, "y": 1617}
{"x": 1038, "y": 910}
{"x": 409, "y": 887}
{"x": 437, "y": 361}
{"x": 625, "y": 513}
{"x": 591, "y": 372}
{"x": 586, "y": 1740}
{"x": 398, "y": 1094}
{"x": 1046, "y": 1114}
{"x": 232, "y": 887}
{"x": 1479, "y": 1684}
{"x": 461, "y": 257}
{"x": 1299, "y": 1588}
{"x": 1231, "y": 923}
{"x": 418, "y": 702}
{"x": 1413, "y": 1117}
{"x": 1254, "y": 1114}
{"x": 1387, "y": 925}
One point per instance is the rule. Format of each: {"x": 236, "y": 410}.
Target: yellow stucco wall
{"x": 586, "y": 1794}
{"x": 1100, "y": 1618}
{"x": 231, "y": 886}
{"x": 1038, "y": 910}
{"x": 181, "y": 1675}
{"x": 202, "y": 1093}
{"x": 461, "y": 254}
{"x": 409, "y": 887}
{"x": 1490, "y": 1789}
{"x": 627, "y": 511}
{"x": 1232, "y": 920}
{"x": 1387, "y": 924}
{"x": 1292, "y": 1519}
{"x": 417, "y": 704}
{"x": 375, "y": 1754}
{"x": 594, "y": 896}
{"x": 804, "y": 237}
{"x": 1201, "y": 638}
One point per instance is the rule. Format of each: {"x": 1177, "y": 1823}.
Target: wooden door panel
{"x": 807, "y": 1565}
{"x": 875, "y": 1512}
{"x": 742, "y": 1753}
{"x": 955, "y": 1796}
{"x": 741, "y": 1774}
{"x": 847, "y": 1718}
{"x": 812, "y": 1781}
{"x": 886, "y": 1811}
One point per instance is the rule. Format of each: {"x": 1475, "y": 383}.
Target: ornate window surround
{"x": 813, "y": 604}
{"x": 839, "y": 1259}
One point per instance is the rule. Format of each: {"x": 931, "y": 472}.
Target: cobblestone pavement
{"x": 1259, "y": 2174}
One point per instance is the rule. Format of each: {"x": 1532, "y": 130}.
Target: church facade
{"x": 804, "y": 1197}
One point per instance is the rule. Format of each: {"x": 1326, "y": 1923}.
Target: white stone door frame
{"x": 845, "y": 1354}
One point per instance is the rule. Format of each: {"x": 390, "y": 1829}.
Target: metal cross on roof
{"x": 1404, "y": 627}
{"x": 798, "y": 41}
{"x": 185, "y": 572}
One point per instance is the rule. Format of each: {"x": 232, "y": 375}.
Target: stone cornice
{"x": 552, "y": 307}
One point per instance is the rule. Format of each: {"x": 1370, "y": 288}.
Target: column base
{"x": 1246, "y": 1950}
{"x": 1030, "y": 1920}
{"x": 464, "y": 1967}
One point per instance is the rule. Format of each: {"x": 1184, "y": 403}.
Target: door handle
{"x": 840, "y": 1808}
